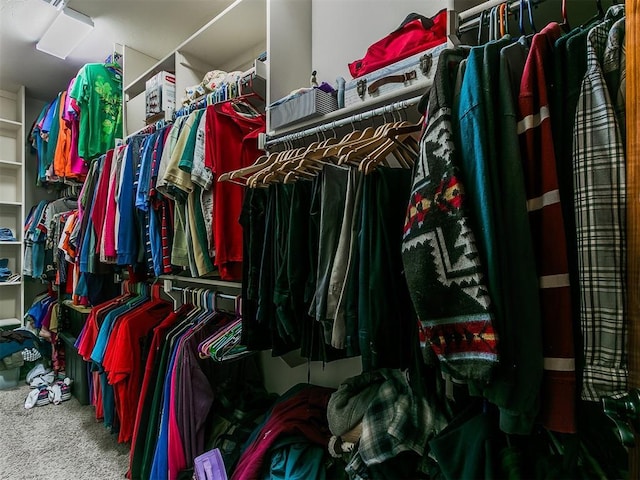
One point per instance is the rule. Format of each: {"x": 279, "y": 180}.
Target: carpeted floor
{"x": 56, "y": 442}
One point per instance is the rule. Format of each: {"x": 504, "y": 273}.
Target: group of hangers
{"x": 207, "y": 299}
{"x": 227, "y": 92}
{"x": 112, "y": 62}
{"x": 497, "y": 18}
{"x": 391, "y": 144}
{"x": 151, "y": 128}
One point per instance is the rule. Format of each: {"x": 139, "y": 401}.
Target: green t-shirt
{"x": 98, "y": 92}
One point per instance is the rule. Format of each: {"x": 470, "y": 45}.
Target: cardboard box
{"x": 160, "y": 95}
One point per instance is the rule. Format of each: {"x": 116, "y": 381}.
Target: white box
{"x": 160, "y": 94}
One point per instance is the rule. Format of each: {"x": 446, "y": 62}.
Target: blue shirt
{"x": 142, "y": 193}
{"x": 160, "y": 465}
{"x": 127, "y": 237}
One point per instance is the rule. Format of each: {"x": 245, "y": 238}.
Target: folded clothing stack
{"x": 5, "y": 272}
{"x": 6, "y": 235}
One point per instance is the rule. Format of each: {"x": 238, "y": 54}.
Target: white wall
{"x": 344, "y": 29}
{"x": 32, "y": 194}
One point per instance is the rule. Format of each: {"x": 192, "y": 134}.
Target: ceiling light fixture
{"x": 65, "y": 33}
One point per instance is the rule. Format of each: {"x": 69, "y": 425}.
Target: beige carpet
{"x": 56, "y": 442}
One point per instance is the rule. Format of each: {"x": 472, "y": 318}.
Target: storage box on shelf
{"x": 311, "y": 104}
{"x": 12, "y": 151}
{"x": 160, "y": 95}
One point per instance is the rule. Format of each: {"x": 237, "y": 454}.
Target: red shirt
{"x": 231, "y": 143}
{"x": 159, "y": 334}
{"x": 123, "y": 359}
{"x": 547, "y": 229}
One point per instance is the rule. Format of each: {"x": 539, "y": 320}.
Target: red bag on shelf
{"x": 416, "y": 34}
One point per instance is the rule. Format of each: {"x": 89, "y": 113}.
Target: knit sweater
{"x": 442, "y": 267}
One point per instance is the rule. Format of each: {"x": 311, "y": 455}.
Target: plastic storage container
{"x": 9, "y": 378}
{"x": 76, "y": 369}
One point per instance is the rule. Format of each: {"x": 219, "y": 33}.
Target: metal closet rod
{"x": 478, "y": 9}
{"x": 193, "y": 289}
{"x": 358, "y": 117}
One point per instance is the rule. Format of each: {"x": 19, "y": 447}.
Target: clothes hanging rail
{"x": 147, "y": 129}
{"x": 200, "y": 281}
{"x": 217, "y": 294}
{"x": 358, "y": 117}
{"x": 469, "y": 19}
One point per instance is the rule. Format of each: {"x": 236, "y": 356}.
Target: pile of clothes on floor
{"x": 46, "y": 387}
{"x": 17, "y": 347}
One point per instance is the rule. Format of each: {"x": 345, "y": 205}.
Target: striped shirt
{"x": 600, "y": 206}
{"x": 548, "y": 234}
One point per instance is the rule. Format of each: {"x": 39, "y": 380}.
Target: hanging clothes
{"x": 600, "y": 202}
{"x": 97, "y": 91}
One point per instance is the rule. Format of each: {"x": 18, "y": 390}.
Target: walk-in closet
{"x": 319, "y": 239}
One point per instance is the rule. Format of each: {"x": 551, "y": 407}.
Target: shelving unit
{"x": 299, "y": 36}
{"x": 231, "y": 41}
{"x": 12, "y": 151}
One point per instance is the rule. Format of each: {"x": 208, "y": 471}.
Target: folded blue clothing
{"x": 6, "y": 235}
{"x": 4, "y": 262}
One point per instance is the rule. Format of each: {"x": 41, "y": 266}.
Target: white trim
{"x": 538, "y": 203}
{"x": 555, "y": 281}
{"x": 560, "y": 364}
{"x": 532, "y": 121}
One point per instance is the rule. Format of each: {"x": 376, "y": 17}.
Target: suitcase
{"x": 414, "y": 72}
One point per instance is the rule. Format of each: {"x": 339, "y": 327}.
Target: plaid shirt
{"x": 600, "y": 205}
{"x": 396, "y": 421}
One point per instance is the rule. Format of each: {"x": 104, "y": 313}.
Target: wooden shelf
{"x": 77, "y": 308}
{"x": 15, "y": 204}
{"x": 10, "y": 243}
{"x": 10, "y": 164}
{"x": 10, "y": 284}
{"x": 11, "y": 125}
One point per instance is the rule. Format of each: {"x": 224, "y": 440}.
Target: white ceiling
{"x": 153, "y": 27}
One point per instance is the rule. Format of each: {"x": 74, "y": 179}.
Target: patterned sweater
{"x": 442, "y": 266}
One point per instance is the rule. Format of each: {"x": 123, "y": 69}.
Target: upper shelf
{"x": 9, "y": 125}
{"x": 10, "y": 164}
{"x": 239, "y": 27}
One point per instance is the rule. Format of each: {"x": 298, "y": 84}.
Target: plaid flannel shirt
{"x": 600, "y": 206}
{"x": 396, "y": 421}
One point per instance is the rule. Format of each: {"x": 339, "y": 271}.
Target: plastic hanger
{"x": 521, "y": 16}
{"x": 598, "y": 16}
{"x": 504, "y": 19}
{"x": 565, "y": 19}
{"x": 530, "y": 15}
{"x": 483, "y": 15}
